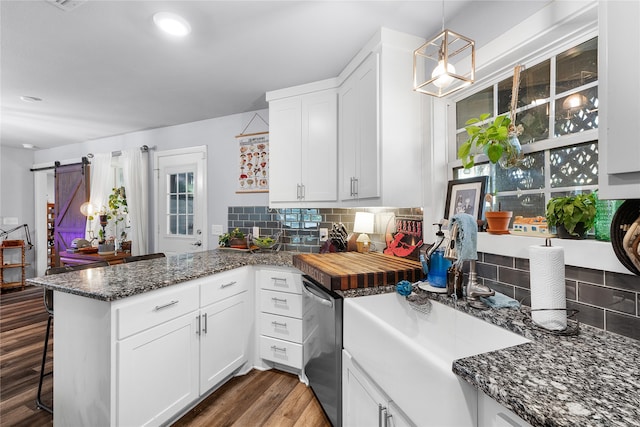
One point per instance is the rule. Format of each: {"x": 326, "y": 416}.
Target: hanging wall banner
{"x": 253, "y": 163}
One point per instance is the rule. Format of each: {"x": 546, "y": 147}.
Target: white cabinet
{"x": 363, "y": 402}
{"x": 619, "y": 88}
{"x": 358, "y": 130}
{"x": 282, "y": 319}
{"x": 303, "y": 148}
{"x": 380, "y": 125}
{"x": 492, "y": 414}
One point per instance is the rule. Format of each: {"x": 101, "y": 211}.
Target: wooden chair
{"x": 143, "y": 257}
{"x": 48, "y": 304}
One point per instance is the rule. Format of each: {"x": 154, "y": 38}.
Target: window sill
{"x": 580, "y": 253}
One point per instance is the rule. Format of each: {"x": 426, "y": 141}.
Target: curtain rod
{"x": 144, "y": 149}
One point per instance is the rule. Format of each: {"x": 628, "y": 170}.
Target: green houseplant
{"x": 573, "y": 214}
{"x": 497, "y": 138}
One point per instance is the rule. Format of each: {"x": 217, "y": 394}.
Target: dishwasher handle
{"x": 316, "y": 295}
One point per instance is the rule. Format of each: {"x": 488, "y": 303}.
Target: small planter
{"x": 498, "y": 222}
{"x": 238, "y": 243}
{"x": 126, "y": 246}
{"x": 580, "y": 230}
{"x": 106, "y": 248}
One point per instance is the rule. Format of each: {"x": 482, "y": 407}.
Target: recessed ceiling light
{"x": 28, "y": 146}
{"x": 26, "y": 98}
{"x": 171, "y": 23}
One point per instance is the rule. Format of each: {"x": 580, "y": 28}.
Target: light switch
{"x": 256, "y": 231}
{"x": 324, "y": 234}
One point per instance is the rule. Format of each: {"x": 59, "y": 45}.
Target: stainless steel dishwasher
{"x": 323, "y": 348}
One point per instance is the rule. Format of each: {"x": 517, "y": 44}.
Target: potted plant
{"x": 497, "y": 138}
{"x": 573, "y": 216}
{"x": 233, "y": 239}
{"x": 497, "y": 220}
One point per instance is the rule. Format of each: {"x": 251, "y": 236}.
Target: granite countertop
{"x": 590, "y": 379}
{"x": 124, "y": 280}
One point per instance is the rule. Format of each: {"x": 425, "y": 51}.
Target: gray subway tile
{"x": 593, "y": 316}
{"x": 507, "y": 290}
{"x": 523, "y": 295}
{"x": 486, "y": 271}
{"x": 622, "y": 324}
{"x": 505, "y": 261}
{"x": 584, "y": 274}
{"x": 571, "y": 289}
{"x": 609, "y": 298}
{"x": 623, "y": 281}
{"x": 522, "y": 263}
{"x": 515, "y": 277}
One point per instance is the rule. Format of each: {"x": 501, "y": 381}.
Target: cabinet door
{"x": 285, "y": 133}
{"x": 224, "y": 337}
{"x": 362, "y": 404}
{"x": 319, "y": 174}
{"x": 359, "y": 132}
{"x": 493, "y": 414}
{"x": 157, "y": 372}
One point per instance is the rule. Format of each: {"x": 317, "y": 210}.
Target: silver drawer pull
{"x": 281, "y": 349}
{"x": 226, "y": 285}
{"x": 279, "y": 325}
{"x": 279, "y": 300}
{"x": 277, "y": 280}
{"x": 169, "y": 304}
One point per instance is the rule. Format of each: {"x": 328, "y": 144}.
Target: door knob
{"x": 198, "y": 243}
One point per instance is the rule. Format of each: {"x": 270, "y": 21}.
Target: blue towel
{"x": 467, "y": 239}
{"x": 500, "y": 300}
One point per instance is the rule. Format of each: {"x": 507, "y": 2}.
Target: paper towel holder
{"x": 573, "y": 325}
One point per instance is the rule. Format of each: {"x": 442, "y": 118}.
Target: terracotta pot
{"x": 238, "y": 243}
{"x": 498, "y": 222}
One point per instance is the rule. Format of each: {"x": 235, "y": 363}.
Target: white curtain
{"x": 101, "y": 186}
{"x": 135, "y": 166}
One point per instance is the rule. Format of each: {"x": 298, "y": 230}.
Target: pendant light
{"x": 434, "y": 72}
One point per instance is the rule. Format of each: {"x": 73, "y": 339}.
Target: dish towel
{"x": 467, "y": 239}
{"x": 500, "y": 301}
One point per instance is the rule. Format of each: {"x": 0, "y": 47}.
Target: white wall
{"x": 16, "y": 196}
{"x": 217, "y": 134}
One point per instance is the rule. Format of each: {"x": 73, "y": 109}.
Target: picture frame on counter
{"x": 466, "y": 196}
{"x": 253, "y": 163}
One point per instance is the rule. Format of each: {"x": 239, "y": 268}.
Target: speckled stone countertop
{"x": 125, "y": 280}
{"x": 591, "y": 379}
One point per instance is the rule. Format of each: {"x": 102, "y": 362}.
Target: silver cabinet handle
{"x": 204, "y": 330}
{"x": 387, "y": 417}
{"x": 278, "y": 324}
{"x": 302, "y": 187}
{"x": 278, "y": 280}
{"x": 380, "y": 407}
{"x": 169, "y": 304}
{"x": 280, "y": 349}
{"x": 226, "y": 285}
{"x": 298, "y": 191}
{"x": 355, "y": 187}
{"x": 279, "y": 300}
{"x": 198, "y": 328}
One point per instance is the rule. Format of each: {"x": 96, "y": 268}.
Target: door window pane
{"x": 575, "y": 166}
{"x": 180, "y": 201}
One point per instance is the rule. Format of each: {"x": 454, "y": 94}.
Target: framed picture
{"x": 253, "y": 163}
{"x": 466, "y": 196}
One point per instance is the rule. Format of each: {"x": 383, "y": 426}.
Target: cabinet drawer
{"x": 282, "y": 327}
{"x": 154, "y": 309}
{"x": 223, "y": 285}
{"x": 281, "y": 303}
{"x": 278, "y": 280}
{"x": 279, "y": 351}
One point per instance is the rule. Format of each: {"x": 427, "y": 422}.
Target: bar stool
{"x": 48, "y": 305}
{"x": 142, "y": 257}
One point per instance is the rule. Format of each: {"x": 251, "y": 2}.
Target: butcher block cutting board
{"x": 350, "y": 270}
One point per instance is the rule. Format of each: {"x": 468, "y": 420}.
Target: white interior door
{"x": 181, "y": 200}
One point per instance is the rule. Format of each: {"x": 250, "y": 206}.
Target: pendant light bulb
{"x": 442, "y": 75}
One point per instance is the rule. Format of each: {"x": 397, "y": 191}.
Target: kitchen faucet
{"x": 474, "y": 290}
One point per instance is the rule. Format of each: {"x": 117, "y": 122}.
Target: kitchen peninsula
{"x": 107, "y": 308}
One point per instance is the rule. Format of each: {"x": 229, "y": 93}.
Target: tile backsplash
{"x": 604, "y": 299}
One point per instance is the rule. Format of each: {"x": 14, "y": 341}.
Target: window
{"x": 558, "y": 108}
{"x": 180, "y": 204}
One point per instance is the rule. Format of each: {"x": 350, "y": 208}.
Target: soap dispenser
{"x": 437, "y": 263}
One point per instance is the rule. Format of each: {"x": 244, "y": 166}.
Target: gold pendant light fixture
{"x": 444, "y": 64}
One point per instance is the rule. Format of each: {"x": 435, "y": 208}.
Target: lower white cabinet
{"x": 363, "y": 402}
{"x": 493, "y": 414}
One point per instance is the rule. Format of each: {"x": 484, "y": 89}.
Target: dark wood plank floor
{"x": 270, "y": 398}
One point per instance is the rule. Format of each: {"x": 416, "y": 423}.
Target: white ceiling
{"x": 103, "y": 69}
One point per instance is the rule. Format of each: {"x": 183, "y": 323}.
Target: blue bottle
{"x": 438, "y": 266}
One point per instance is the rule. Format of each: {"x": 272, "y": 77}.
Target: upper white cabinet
{"x": 362, "y": 147}
{"x": 381, "y": 126}
{"x": 619, "y": 90}
{"x": 303, "y": 148}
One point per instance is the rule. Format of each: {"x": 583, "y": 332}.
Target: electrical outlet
{"x": 216, "y": 229}
{"x": 256, "y": 231}
{"x": 324, "y": 234}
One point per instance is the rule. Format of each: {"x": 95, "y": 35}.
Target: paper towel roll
{"x": 547, "y": 287}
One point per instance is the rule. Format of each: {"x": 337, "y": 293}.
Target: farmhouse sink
{"x": 409, "y": 354}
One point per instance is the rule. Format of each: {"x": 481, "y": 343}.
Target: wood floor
{"x": 270, "y": 398}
